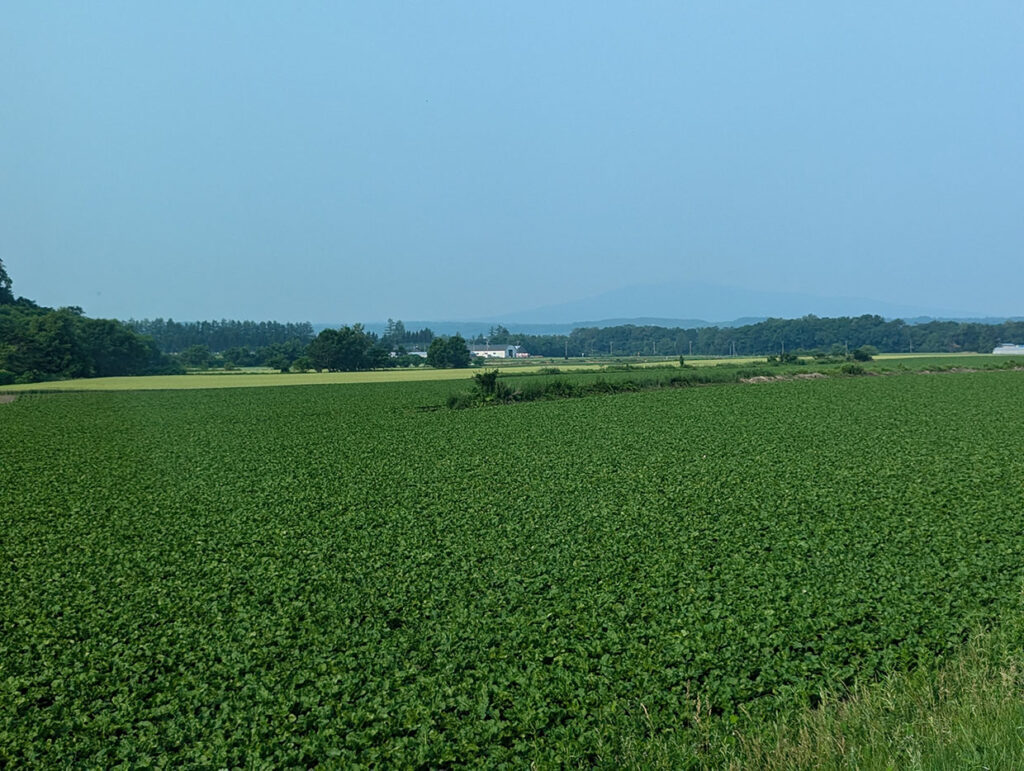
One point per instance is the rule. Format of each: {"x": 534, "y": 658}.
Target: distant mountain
{"x": 474, "y": 328}
{"x": 684, "y": 305}
{"x": 696, "y": 300}
{"x": 960, "y": 320}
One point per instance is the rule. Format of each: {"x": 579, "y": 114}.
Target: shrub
{"x": 486, "y": 382}
{"x": 461, "y": 401}
{"x": 851, "y": 369}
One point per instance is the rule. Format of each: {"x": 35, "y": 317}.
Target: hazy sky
{"x": 354, "y": 161}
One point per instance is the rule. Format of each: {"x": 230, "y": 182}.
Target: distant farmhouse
{"x": 1008, "y": 349}
{"x": 498, "y": 351}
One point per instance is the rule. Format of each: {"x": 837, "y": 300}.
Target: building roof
{"x": 481, "y": 348}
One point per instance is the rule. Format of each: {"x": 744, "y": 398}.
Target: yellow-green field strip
{"x": 263, "y": 379}
{"x": 243, "y": 380}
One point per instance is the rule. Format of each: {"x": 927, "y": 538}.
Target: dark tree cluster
{"x": 397, "y": 338}
{"x": 39, "y": 343}
{"x": 345, "y": 350}
{"x": 448, "y": 353}
{"x": 220, "y": 336}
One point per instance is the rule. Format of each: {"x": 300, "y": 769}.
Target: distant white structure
{"x": 498, "y": 351}
{"x": 421, "y": 354}
{"x": 1007, "y": 349}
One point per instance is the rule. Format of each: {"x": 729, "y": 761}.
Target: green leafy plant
{"x": 276, "y": 577}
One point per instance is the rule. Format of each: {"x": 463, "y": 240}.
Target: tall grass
{"x": 964, "y": 712}
{"x": 528, "y": 388}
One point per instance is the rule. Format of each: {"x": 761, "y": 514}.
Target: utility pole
{"x": 691, "y": 347}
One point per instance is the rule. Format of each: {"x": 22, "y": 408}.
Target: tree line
{"x": 809, "y": 334}
{"x": 39, "y": 343}
{"x": 806, "y": 335}
{"x": 353, "y": 348}
{"x": 346, "y": 349}
{"x": 177, "y": 336}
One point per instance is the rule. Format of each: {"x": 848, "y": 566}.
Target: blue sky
{"x": 354, "y": 161}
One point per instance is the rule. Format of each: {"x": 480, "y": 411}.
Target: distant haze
{"x": 709, "y": 301}
{"x": 679, "y": 305}
{"x": 519, "y": 161}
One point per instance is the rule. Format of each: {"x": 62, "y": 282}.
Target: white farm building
{"x": 498, "y": 351}
{"x": 1007, "y": 349}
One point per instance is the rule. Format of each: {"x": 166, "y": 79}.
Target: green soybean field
{"x": 335, "y": 575}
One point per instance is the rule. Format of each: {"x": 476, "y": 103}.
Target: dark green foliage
{"x": 614, "y": 379}
{"x": 486, "y": 388}
{"x": 486, "y": 382}
{"x": 287, "y": 577}
{"x": 44, "y": 344}
{"x": 396, "y": 337}
{"x": 6, "y": 295}
{"x": 114, "y": 349}
{"x": 805, "y": 335}
{"x": 221, "y": 336}
{"x": 403, "y": 359}
{"x": 446, "y": 353}
{"x": 343, "y": 350}
{"x": 198, "y": 356}
{"x": 851, "y": 369}
{"x": 462, "y": 401}
{"x": 240, "y": 357}
{"x": 280, "y": 363}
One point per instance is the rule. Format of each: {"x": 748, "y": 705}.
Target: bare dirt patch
{"x": 7, "y": 398}
{"x": 809, "y": 376}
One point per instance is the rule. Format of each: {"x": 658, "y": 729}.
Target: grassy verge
{"x": 964, "y": 713}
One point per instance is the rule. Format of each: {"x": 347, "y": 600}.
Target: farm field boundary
{"x": 263, "y": 379}
{"x": 285, "y": 577}
{"x": 489, "y": 388}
